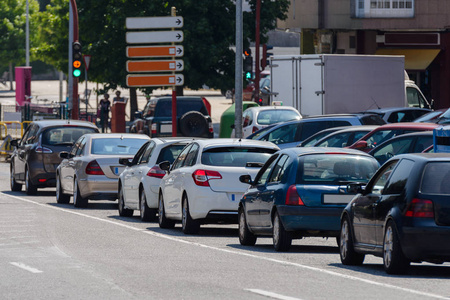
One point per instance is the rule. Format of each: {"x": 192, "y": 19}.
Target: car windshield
{"x": 435, "y": 178}
{"x": 115, "y": 146}
{"x": 66, "y": 135}
{"x": 335, "y": 169}
{"x": 235, "y": 156}
{"x": 267, "y": 117}
{"x": 164, "y": 107}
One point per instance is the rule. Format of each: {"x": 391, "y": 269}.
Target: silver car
{"x": 90, "y": 171}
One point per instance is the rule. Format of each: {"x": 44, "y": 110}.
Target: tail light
{"x": 292, "y": 197}
{"x": 156, "y": 172}
{"x": 153, "y": 129}
{"x": 93, "y": 168}
{"x": 255, "y": 129}
{"x": 420, "y": 208}
{"x": 202, "y": 177}
{"x": 211, "y": 128}
{"x": 260, "y": 101}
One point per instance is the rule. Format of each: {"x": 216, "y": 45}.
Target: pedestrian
{"x": 118, "y": 98}
{"x": 105, "y": 104}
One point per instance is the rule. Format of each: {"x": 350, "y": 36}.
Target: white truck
{"x": 333, "y": 83}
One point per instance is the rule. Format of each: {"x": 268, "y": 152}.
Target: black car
{"x": 193, "y": 119}
{"x": 36, "y": 155}
{"x": 402, "y": 215}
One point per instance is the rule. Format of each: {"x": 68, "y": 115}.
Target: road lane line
{"x": 286, "y": 263}
{"x": 271, "y": 295}
{"x": 25, "y": 267}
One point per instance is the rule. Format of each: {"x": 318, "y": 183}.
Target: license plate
{"x": 165, "y": 128}
{"x": 337, "y": 199}
{"x": 118, "y": 170}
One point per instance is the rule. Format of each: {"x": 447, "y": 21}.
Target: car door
{"x": 24, "y": 148}
{"x": 364, "y": 223}
{"x": 139, "y": 170}
{"x": 66, "y": 172}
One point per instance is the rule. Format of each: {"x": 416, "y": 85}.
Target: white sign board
{"x": 154, "y": 22}
{"x": 143, "y": 37}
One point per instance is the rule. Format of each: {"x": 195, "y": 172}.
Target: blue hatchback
{"x": 301, "y": 192}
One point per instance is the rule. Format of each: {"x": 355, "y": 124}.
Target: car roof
{"x": 353, "y": 128}
{"x": 206, "y": 143}
{"x": 425, "y": 156}
{"x": 408, "y": 125}
{"x": 117, "y": 135}
{"x": 50, "y": 123}
{"x": 174, "y": 139}
{"x": 271, "y": 107}
{"x": 323, "y": 150}
{"x": 393, "y": 109}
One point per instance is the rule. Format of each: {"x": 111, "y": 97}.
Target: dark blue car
{"x": 301, "y": 192}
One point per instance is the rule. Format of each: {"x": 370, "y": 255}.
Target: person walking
{"x": 105, "y": 105}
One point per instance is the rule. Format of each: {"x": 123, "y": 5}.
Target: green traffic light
{"x": 248, "y": 75}
{"x": 76, "y": 73}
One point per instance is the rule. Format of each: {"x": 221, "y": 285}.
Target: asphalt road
{"x": 55, "y": 251}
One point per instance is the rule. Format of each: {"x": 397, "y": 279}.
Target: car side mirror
{"x": 165, "y": 165}
{"x": 14, "y": 143}
{"x": 125, "y": 161}
{"x": 356, "y": 188}
{"x": 64, "y": 154}
{"x": 361, "y": 145}
{"x": 246, "y": 179}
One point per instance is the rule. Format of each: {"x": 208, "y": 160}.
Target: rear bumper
{"x": 426, "y": 243}
{"x": 99, "y": 188}
{"x": 206, "y": 204}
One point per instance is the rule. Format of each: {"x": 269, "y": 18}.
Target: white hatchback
{"x": 202, "y": 185}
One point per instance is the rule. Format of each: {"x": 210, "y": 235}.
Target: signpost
{"x": 155, "y": 65}
{"x": 145, "y": 37}
{"x": 155, "y": 80}
{"x": 154, "y": 22}
{"x": 154, "y": 51}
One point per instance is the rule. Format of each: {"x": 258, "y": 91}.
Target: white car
{"x": 139, "y": 182}
{"x": 202, "y": 185}
{"x": 258, "y": 117}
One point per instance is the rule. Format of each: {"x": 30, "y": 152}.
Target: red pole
{"x": 257, "y": 70}
{"x": 75, "y": 104}
{"x": 173, "y": 13}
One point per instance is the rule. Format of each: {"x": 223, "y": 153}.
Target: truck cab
{"x": 414, "y": 96}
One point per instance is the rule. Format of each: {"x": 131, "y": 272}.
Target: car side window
{"x": 178, "y": 163}
{"x": 382, "y": 178}
{"x": 145, "y": 155}
{"x": 399, "y": 177}
{"x": 30, "y": 135}
{"x": 422, "y": 143}
{"x": 81, "y": 147}
{"x": 76, "y": 146}
{"x": 247, "y": 119}
{"x": 191, "y": 156}
{"x": 284, "y": 134}
{"x": 279, "y": 169}
{"x": 263, "y": 174}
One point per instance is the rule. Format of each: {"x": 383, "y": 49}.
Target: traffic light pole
{"x": 238, "y": 72}
{"x": 257, "y": 56}
{"x": 73, "y": 95}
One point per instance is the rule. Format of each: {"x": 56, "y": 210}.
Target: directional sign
{"x": 155, "y": 80}
{"x": 154, "y": 51}
{"x": 143, "y": 37}
{"x": 155, "y": 65}
{"x": 154, "y": 22}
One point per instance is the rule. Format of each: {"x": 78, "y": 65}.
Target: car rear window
{"x": 435, "y": 178}
{"x": 372, "y": 120}
{"x": 164, "y": 107}
{"x": 272, "y": 116}
{"x": 334, "y": 169}
{"x": 115, "y": 146}
{"x": 235, "y": 156}
{"x": 170, "y": 152}
{"x": 64, "y": 135}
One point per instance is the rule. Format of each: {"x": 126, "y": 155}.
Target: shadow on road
{"x": 307, "y": 249}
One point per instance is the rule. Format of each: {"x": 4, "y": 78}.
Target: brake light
{"x": 93, "y": 168}
{"x": 260, "y": 100}
{"x": 42, "y": 180}
{"x": 156, "y": 172}
{"x": 40, "y": 149}
{"x": 202, "y": 177}
{"x": 420, "y": 208}
{"x": 211, "y": 128}
{"x": 255, "y": 129}
{"x": 153, "y": 129}
{"x": 292, "y": 197}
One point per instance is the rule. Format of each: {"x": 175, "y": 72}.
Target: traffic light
{"x": 266, "y": 55}
{"x": 76, "y": 59}
{"x": 248, "y": 64}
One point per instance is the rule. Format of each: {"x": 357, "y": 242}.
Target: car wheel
{"x": 281, "y": 238}
{"x": 394, "y": 261}
{"x": 30, "y": 188}
{"x": 193, "y": 123}
{"x": 60, "y": 196}
{"x": 246, "y": 238}
{"x": 15, "y": 187}
{"x": 123, "y": 212}
{"x": 162, "y": 220}
{"x": 78, "y": 201}
{"x": 348, "y": 254}
{"x": 188, "y": 225}
{"x": 147, "y": 214}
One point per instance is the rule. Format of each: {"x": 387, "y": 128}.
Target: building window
{"x": 384, "y": 8}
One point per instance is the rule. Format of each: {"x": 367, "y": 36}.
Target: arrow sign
{"x": 154, "y": 22}
{"x": 154, "y": 51}
{"x": 155, "y": 80}
{"x": 142, "y": 37}
{"x": 154, "y": 65}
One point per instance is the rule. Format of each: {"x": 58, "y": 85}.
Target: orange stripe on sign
{"x": 144, "y": 66}
{"x": 150, "y": 51}
{"x": 149, "y": 80}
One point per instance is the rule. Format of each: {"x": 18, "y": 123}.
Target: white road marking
{"x": 236, "y": 252}
{"x": 271, "y": 295}
{"x": 25, "y": 267}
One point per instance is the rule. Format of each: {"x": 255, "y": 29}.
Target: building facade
{"x": 417, "y": 29}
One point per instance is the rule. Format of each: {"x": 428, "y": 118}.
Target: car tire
{"x": 193, "y": 124}
{"x": 246, "y": 237}
{"x": 15, "y": 187}
{"x": 394, "y": 261}
{"x": 123, "y": 212}
{"x": 61, "y": 198}
{"x": 78, "y": 201}
{"x": 30, "y": 188}
{"x": 147, "y": 214}
{"x": 162, "y": 219}
{"x": 188, "y": 225}
{"x": 282, "y": 239}
{"x": 346, "y": 250}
